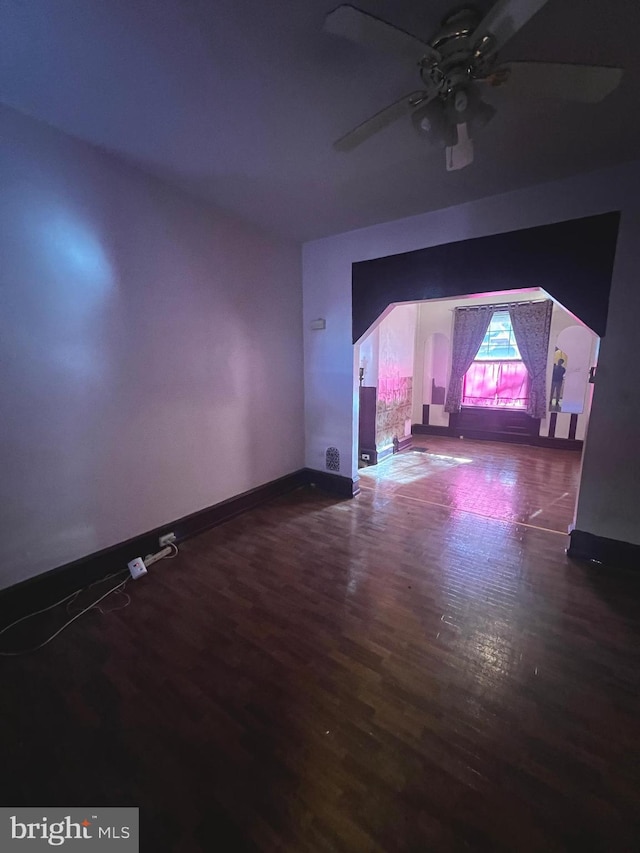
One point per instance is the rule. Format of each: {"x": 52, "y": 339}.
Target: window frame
{"x": 488, "y": 359}
{"x": 512, "y": 343}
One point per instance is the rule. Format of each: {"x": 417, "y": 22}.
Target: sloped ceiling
{"x": 238, "y": 101}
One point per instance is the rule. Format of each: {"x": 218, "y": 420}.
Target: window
{"x": 499, "y": 343}
{"x": 497, "y": 377}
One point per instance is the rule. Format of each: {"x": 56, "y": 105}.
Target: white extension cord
{"x": 69, "y": 599}
{"x": 138, "y": 566}
{"x": 150, "y": 559}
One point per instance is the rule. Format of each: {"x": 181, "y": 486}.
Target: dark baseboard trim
{"x": 505, "y": 437}
{"x": 559, "y": 443}
{"x": 427, "y": 429}
{"x": 41, "y": 590}
{"x": 376, "y": 456}
{"x": 478, "y": 435}
{"x": 334, "y": 484}
{"x": 384, "y": 453}
{"x": 474, "y": 434}
{"x": 611, "y": 553}
{"x": 573, "y": 426}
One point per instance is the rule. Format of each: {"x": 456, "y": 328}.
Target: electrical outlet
{"x": 137, "y": 568}
{"x": 167, "y": 539}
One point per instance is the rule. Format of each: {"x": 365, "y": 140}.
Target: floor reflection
{"x": 516, "y": 483}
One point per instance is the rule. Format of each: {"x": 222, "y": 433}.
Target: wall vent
{"x": 332, "y": 459}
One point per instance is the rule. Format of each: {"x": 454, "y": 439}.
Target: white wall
{"x": 610, "y": 494}
{"x": 578, "y": 345}
{"x": 397, "y": 341}
{"x": 389, "y": 348}
{"x": 151, "y": 352}
{"x": 561, "y": 321}
{"x": 434, "y": 318}
{"x": 369, "y": 357}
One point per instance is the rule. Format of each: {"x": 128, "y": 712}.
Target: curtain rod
{"x": 500, "y": 305}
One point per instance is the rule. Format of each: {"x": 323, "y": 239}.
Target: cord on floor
{"x": 69, "y": 600}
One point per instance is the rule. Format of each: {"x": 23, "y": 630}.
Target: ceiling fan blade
{"x": 380, "y": 120}
{"x": 352, "y": 24}
{"x": 377, "y": 122}
{"x": 504, "y": 19}
{"x": 460, "y": 154}
{"x": 585, "y": 84}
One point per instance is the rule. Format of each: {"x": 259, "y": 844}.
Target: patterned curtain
{"x": 531, "y": 324}
{"x": 469, "y": 328}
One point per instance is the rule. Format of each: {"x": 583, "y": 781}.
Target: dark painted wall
{"x": 571, "y": 260}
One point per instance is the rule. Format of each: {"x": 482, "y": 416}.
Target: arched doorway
{"x": 573, "y": 261}
{"x": 534, "y": 477}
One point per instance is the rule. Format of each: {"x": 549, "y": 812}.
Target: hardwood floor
{"x": 381, "y": 674}
{"x": 536, "y": 486}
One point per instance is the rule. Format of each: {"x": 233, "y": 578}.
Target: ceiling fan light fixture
{"x": 432, "y": 125}
{"x": 466, "y": 106}
{"x": 482, "y": 115}
{"x": 460, "y": 101}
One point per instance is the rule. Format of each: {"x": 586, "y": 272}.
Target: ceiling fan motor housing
{"x": 459, "y": 23}
{"x": 461, "y": 61}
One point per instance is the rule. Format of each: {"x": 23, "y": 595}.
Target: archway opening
{"x": 510, "y": 465}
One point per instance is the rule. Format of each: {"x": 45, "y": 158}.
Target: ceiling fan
{"x": 455, "y": 65}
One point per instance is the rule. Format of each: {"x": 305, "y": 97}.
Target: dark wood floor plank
{"x": 421, "y": 668}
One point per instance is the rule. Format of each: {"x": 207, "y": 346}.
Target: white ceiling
{"x": 238, "y": 101}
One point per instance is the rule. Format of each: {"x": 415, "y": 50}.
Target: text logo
{"x": 105, "y": 829}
